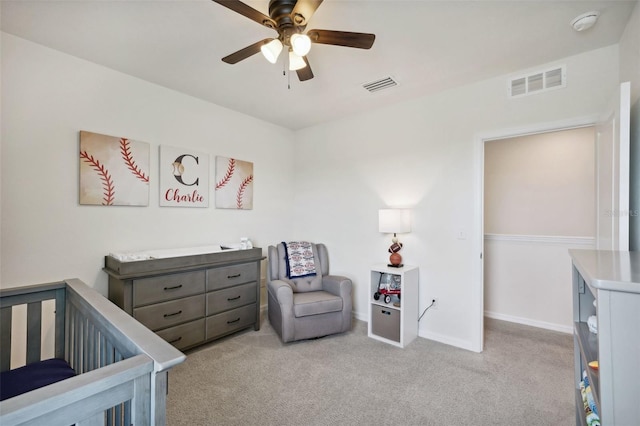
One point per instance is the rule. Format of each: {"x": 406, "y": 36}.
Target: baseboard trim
{"x": 359, "y": 316}
{"x": 530, "y": 322}
{"x": 458, "y": 343}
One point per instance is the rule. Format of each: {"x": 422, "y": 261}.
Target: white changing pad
{"x": 175, "y": 252}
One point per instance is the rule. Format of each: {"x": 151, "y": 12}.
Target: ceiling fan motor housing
{"x": 280, "y": 12}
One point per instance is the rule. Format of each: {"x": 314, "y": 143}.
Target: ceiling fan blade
{"x": 246, "y": 52}
{"x": 303, "y": 10}
{"x": 342, "y": 38}
{"x": 305, "y": 73}
{"x": 245, "y": 10}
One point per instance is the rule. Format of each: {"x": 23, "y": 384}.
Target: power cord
{"x": 433, "y": 302}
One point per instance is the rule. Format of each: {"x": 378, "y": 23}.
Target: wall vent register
{"x": 538, "y": 82}
{"x": 383, "y": 83}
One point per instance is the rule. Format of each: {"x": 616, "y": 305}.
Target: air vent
{"x": 538, "y": 82}
{"x": 383, "y": 83}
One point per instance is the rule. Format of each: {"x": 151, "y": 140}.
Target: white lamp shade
{"x": 296, "y": 62}
{"x": 394, "y": 221}
{"x": 271, "y": 50}
{"x": 301, "y": 44}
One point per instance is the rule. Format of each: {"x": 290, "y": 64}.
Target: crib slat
{"x": 5, "y": 340}
{"x": 34, "y": 331}
{"x": 127, "y": 413}
{"x": 77, "y": 336}
{"x": 67, "y": 333}
{"x": 59, "y": 323}
{"x": 86, "y": 345}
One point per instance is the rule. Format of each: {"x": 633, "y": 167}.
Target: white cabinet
{"x": 393, "y": 317}
{"x": 612, "y": 279}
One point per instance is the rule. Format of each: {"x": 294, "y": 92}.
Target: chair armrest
{"x": 282, "y": 291}
{"x": 337, "y": 285}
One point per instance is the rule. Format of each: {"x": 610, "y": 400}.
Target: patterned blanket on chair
{"x": 299, "y": 258}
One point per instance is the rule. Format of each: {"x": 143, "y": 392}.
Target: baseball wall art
{"x": 184, "y": 177}
{"x": 114, "y": 171}
{"x": 234, "y": 184}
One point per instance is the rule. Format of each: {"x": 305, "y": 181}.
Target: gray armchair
{"x": 310, "y": 306}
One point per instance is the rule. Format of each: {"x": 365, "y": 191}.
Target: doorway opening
{"x": 481, "y": 145}
{"x": 539, "y": 202}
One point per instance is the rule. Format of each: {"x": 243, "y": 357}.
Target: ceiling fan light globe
{"x": 301, "y": 44}
{"x": 271, "y": 50}
{"x": 296, "y": 62}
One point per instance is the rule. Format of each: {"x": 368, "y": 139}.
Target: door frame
{"x": 479, "y": 141}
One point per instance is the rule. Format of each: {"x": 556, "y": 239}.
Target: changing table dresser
{"x": 189, "y": 299}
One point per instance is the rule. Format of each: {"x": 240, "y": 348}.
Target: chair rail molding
{"x": 542, "y": 239}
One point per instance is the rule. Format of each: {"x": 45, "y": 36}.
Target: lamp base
{"x": 395, "y": 259}
{"x": 400, "y": 265}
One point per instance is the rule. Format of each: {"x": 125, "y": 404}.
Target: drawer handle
{"x": 175, "y": 340}
{"x": 235, "y": 320}
{"x": 386, "y": 312}
{"x": 233, "y": 276}
{"x": 175, "y": 287}
{"x": 229, "y": 299}
{"x": 173, "y": 314}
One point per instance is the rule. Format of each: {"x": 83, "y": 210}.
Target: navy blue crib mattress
{"x": 33, "y": 376}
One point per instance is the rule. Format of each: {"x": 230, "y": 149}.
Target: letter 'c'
{"x": 179, "y": 178}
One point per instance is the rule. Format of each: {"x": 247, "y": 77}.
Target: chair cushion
{"x": 33, "y": 376}
{"x": 314, "y": 303}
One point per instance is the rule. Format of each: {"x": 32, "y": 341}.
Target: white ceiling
{"x": 427, "y": 46}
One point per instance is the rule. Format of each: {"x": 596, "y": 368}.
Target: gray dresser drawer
{"x": 167, "y": 287}
{"x": 230, "y": 321}
{"x": 229, "y": 298}
{"x": 227, "y": 276}
{"x": 166, "y": 314}
{"x": 184, "y": 335}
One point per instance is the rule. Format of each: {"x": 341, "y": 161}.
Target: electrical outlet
{"x": 434, "y": 300}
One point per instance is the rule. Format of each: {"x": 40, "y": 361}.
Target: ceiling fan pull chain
{"x": 284, "y": 71}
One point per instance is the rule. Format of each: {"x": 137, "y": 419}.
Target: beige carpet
{"x": 523, "y": 377}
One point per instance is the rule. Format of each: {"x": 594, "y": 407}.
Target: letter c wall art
{"x": 184, "y": 178}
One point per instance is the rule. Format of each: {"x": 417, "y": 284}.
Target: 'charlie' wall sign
{"x": 184, "y": 177}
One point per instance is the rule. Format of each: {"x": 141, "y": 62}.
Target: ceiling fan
{"x": 289, "y": 18}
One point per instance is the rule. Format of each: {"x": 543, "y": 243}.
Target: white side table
{"x": 393, "y": 318}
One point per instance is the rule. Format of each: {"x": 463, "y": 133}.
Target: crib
{"x": 121, "y": 367}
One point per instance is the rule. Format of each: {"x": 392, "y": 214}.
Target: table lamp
{"x": 394, "y": 221}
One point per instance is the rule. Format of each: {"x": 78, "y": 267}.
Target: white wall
{"x": 425, "y": 154}
{"x": 630, "y": 54}
{"x": 541, "y": 184}
{"x": 630, "y": 71}
{"x": 47, "y": 98}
